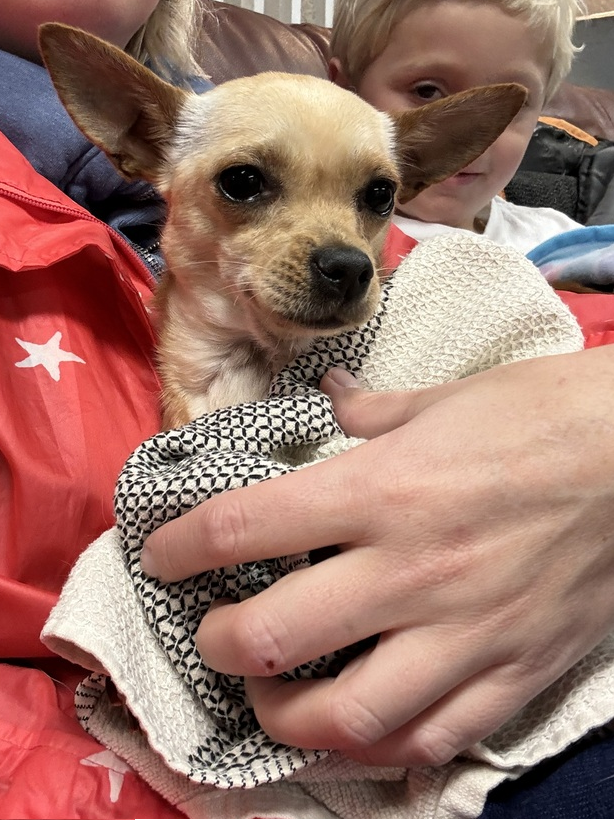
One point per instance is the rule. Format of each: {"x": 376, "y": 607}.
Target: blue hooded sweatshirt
{"x": 35, "y": 121}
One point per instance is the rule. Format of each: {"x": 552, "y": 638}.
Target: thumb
{"x": 366, "y": 414}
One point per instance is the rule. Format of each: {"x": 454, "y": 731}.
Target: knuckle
{"x": 359, "y": 410}
{"x": 261, "y": 639}
{"x": 159, "y": 546}
{"x": 433, "y": 746}
{"x": 353, "y": 724}
{"x": 350, "y": 411}
{"x": 222, "y": 531}
{"x": 168, "y": 559}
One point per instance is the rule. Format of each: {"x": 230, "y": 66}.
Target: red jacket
{"x": 79, "y": 392}
{"x": 78, "y": 385}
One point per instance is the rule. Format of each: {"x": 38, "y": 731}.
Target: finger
{"x": 367, "y": 414}
{"x": 368, "y": 702}
{"x": 468, "y": 714}
{"x": 322, "y": 504}
{"x": 265, "y": 635}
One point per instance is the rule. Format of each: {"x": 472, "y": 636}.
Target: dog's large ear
{"x": 119, "y": 104}
{"x": 439, "y": 139}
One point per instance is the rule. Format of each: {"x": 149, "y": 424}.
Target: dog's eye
{"x": 378, "y": 196}
{"x": 241, "y": 183}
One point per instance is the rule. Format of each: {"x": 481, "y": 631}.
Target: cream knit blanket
{"x": 457, "y": 305}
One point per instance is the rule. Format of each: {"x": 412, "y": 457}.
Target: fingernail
{"x": 148, "y": 563}
{"x": 341, "y": 377}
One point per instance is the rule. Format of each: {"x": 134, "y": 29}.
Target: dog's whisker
{"x": 227, "y": 263}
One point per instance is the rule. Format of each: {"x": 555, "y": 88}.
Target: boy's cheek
{"x": 506, "y": 155}
{"x": 519, "y": 133}
{"x": 382, "y": 96}
{"x": 525, "y": 121}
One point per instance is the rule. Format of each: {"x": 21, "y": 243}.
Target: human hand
{"x": 476, "y": 536}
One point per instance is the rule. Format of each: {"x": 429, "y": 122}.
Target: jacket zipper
{"x": 57, "y": 207}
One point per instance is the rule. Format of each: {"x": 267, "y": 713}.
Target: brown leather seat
{"x": 237, "y": 42}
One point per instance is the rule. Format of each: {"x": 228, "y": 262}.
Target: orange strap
{"x": 571, "y": 129}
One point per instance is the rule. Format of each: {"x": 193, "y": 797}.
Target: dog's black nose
{"x": 346, "y": 269}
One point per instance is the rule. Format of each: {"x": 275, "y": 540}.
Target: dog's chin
{"x": 325, "y": 324}
{"x": 317, "y": 323}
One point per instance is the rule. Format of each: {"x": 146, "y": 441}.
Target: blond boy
{"x": 401, "y": 54}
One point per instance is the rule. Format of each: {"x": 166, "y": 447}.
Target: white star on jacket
{"x": 116, "y": 768}
{"x": 49, "y": 355}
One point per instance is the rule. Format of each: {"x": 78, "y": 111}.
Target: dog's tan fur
{"x": 242, "y": 295}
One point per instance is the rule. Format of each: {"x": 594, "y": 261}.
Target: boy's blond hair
{"x": 168, "y": 40}
{"x": 362, "y": 28}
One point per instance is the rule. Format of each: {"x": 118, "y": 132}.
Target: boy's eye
{"x": 378, "y": 196}
{"x": 427, "y": 92}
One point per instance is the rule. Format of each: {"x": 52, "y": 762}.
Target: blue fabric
{"x": 35, "y": 121}
{"x": 557, "y": 247}
{"x": 584, "y": 255}
{"x": 579, "y": 783}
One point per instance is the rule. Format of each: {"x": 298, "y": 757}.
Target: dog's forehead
{"x": 300, "y": 113}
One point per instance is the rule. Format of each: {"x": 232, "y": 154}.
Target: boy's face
{"x": 449, "y": 46}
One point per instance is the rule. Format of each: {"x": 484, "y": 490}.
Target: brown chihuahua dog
{"x": 280, "y": 190}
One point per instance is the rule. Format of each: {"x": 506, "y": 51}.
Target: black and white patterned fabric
{"x": 176, "y": 470}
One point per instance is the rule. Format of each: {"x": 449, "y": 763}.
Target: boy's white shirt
{"x": 516, "y": 226}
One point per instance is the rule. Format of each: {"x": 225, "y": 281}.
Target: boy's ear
{"x": 439, "y": 139}
{"x": 119, "y": 104}
{"x": 336, "y": 73}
